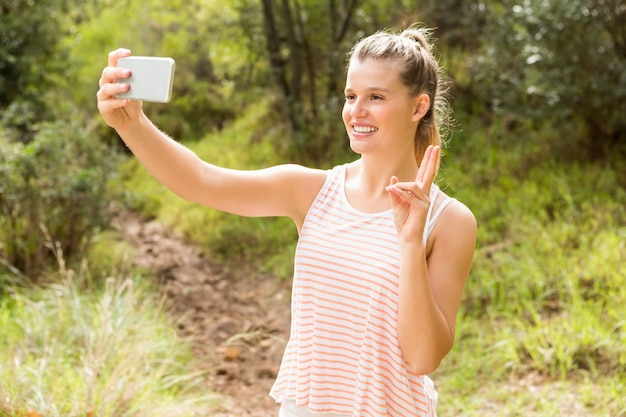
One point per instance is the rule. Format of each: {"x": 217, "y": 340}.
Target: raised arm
{"x": 433, "y": 275}
{"x": 285, "y": 190}
{"x": 431, "y": 287}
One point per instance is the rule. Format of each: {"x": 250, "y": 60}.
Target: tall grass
{"x": 75, "y": 348}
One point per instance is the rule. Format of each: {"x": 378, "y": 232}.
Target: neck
{"x": 377, "y": 173}
{"x": 367, "y": 178}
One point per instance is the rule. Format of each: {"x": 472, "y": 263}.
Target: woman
{"x": 383, "y": 254}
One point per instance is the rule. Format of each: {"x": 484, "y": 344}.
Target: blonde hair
{"x": 420, "y": 74}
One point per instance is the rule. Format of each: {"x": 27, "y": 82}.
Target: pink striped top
{"x": 343, "y": 354}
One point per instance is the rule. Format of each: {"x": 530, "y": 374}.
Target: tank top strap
{"x": 433, "y": 215}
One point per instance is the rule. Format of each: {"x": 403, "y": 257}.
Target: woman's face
{"x": 379, "y": 114}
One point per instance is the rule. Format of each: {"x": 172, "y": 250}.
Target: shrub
{"x": 53, "y": 192}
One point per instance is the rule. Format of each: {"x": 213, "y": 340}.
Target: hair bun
{"x": 419, "y": 34}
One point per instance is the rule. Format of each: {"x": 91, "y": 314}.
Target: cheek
{"x": 345, "y": 114}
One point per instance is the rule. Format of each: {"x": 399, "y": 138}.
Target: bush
{"x": 560, "y": 60}
{"x": 52, "y": 194}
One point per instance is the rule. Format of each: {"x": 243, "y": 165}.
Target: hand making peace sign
{"x": 411, "y": 200}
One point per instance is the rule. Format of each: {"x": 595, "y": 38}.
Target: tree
{"x": 189, "y": 32}
{"x": 306, "y": 43}
{"x": 31, "y": 58}
{"x": 295, "y": 63}
{"x": 562, "y": 61}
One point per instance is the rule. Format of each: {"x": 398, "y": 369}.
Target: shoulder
{"x": 303, "y": 184}
{"x": 455, "y": 210}
{"x": 457, "y": 224}
{"x": 452, "y": 245}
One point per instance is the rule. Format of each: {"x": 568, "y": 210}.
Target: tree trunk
{"x": 340, "y": 23}
{"x": 282, "y": 69}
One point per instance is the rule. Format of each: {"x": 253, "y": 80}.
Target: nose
{"x": 357, "y": 109}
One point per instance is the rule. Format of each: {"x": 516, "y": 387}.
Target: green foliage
{"x": 32, "y": 59}
{"x": 458, "y": 24}
{"x": 108, "y": 255}
{"x": 545, "y": 301}
{"x": 27, "y": 39}
{"x": 303, "y": 48}
{"x": 109, "y": 351}
{"x": 194, "y": 33}
{"x": 52, "y": 195}
{"x": 558, "y": 60}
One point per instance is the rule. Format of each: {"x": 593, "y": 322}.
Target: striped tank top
{"x": 343, "y": 354}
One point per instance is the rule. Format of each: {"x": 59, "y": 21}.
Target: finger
{"x": 110, "y": 105}
{"x": 392, "y": 185}
{"x": 117, "y": 54}
{"x": 112, "y": 74}
{"x": 405, "y": 190}
{"x": 423, "y": 165}
{"x": 109, "y": 89}
{"x": 407, "y": 196}
{"x": 396, "y": 186}
{"x": 431, "y": 168}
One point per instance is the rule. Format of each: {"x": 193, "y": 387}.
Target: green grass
{"x": 85, "y": 348}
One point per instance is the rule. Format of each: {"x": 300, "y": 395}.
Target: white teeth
{"x": 364, "y": 129}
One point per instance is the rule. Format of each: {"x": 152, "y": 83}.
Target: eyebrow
{"x": 371, "y": 89}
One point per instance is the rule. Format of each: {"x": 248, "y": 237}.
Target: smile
{"x": 364, "y": 129}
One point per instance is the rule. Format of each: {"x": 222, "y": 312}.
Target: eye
{"x": 376, "y": 97}
{"x": 350, "y": 97}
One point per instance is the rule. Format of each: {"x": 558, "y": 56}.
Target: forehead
{"x": 369, "y": 73}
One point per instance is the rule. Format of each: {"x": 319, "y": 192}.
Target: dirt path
{"x": 238, "y": 321}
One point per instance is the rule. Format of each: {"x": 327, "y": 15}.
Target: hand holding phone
{"x": 151, "y": 78}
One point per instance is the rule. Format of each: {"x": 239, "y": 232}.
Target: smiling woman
{"x": 383, "y": 254}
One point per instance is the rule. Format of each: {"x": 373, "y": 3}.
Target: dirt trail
{"x": 238, "y": 321}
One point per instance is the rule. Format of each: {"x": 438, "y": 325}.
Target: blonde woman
{"x": 383, "y": 254}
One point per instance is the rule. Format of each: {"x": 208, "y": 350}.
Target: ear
{"x": 422, "y": 104}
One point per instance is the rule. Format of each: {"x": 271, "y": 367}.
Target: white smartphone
{"x": 151, "y": 78}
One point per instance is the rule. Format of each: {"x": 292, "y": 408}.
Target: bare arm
{"x": 431, "y": 288}
{"x": 431, "y": 282}
{"x": 285, "y": 190}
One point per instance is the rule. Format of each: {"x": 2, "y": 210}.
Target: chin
{"x": 358, "y": 147}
